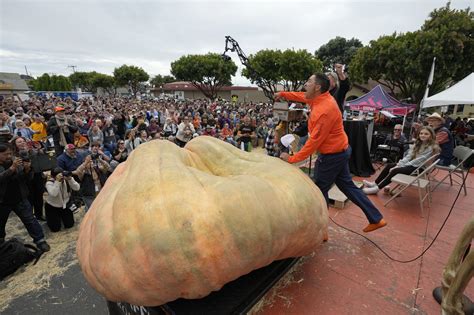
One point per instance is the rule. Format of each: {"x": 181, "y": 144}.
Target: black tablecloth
{"x": 360, "y": 163}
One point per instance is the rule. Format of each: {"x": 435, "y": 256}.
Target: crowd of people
{"x": 79, "y": 144}
{"x": 82, "y": 141}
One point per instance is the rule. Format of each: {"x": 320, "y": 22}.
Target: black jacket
{"x": 6, "y": 175}
{"x": 339, "y": 93}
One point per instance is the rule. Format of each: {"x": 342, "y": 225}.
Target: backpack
{"x": 14, "y": 254}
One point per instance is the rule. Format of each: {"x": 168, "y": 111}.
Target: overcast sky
{"x": 49, "y": 36}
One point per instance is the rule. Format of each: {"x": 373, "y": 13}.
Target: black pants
{"x": 385, "y": 177}
{"x": 54, "y": 217}
{"x": 35, "y": 197}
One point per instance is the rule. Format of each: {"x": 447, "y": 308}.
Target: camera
{"x": 67, "y": 173}
{"x": 24, "y": 155}
{"x": 94, "y": 156}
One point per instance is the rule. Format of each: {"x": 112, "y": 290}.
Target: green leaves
{"x": 160, "y": 80}
{"x": 130, "y": 76}
{"x": 52, "y": 83}
{"x": 338, "y": 50}
{"x": 402, "y": 62}
{"x": 207, "y": 72}
{"x": 290, "y": 68}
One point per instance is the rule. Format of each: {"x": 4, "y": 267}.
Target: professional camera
{"x": 94, "y": 156}
{"x": 67, "y": 173}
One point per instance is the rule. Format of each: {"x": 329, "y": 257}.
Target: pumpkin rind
{"x": 180, "y": 223}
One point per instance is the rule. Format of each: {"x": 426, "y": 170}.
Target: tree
{"x": 288, "y": 68}
{"x": 264, "y": 66}
{"x": 208, "y": 73}
{"x": 104, "y": 81}
{"x": 402, "y": 62}
{"x": 52, "y": 83}
{"x": 160, "y": 80}
{"x": 83, "y": 80}
{"x": 130, "y": 76}
{"x": 337, "y": 50}
{"x": 297, "y": 67}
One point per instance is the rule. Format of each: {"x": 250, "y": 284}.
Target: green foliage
{"x": 207, "y": 72}
{"x": 104, "y": 81}
{"x": 338, "y": 50}
{"x": 402, "y": 62}
{"x": 83, "y": 80}
{"x": 160, "y": 80}
{"x": 270, "y": 68}
{"x": 52, "y": 83}
{"x": 130, "y": 76}
{"x": 297, "y": 67}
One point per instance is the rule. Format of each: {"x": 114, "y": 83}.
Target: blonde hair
{"x": 420, "y": 146}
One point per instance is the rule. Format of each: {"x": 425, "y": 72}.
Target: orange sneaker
{"x": 375, "y": 226}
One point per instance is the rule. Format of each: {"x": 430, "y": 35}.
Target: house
{"x": 12, "y": 83}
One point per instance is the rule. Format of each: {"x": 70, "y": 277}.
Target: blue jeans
{"x": 334, "y": 168}
{"x": 24, "y": 211}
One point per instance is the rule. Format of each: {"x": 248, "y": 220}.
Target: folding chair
{"x": 461, "y": 154}
{"x": 419, "y": 179}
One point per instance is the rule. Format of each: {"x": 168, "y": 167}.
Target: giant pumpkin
{"x": 180, "y": 223}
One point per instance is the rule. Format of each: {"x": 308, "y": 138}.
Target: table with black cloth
{"x": 360, "y": 163}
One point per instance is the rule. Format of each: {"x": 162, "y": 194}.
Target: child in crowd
{"x": 424, "y": 148}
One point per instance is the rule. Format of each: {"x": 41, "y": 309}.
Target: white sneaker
{"x": 386, "y": 190}
{"x": 371, "y": 190}
{"x": 368, "y": 184}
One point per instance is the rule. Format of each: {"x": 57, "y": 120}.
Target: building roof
{"x": 188, "y": 86}
{"x": 12, "y": 82}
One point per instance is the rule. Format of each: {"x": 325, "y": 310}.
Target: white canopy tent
{"x": 460, "y": 93}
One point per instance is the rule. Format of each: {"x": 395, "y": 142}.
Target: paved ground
{"x": 348, "y": 275}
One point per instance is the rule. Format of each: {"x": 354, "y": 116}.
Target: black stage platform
{"x": 236, "y": 297}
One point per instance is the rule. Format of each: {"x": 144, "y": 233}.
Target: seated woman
{"x": 425, "y": 146}
{"x": 59, "y": 188}
{"x": 397, "y": 141}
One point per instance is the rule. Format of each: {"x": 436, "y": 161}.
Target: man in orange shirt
{"x": 327, "y": 136}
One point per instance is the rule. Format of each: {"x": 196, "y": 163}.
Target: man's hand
{"x": 27, "y": 166}
{"x": 88, "y": 160}
{"x": 284, "y": 156}
{"x": 16, "y": 162}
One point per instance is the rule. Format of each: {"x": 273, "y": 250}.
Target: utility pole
{"x": 73, "y": 68}
{"x": 26, "y": 70}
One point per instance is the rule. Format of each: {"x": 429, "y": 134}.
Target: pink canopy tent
{"x": 377, "y": 100}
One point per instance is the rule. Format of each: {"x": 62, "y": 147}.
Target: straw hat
{"x": 435, "y": 116}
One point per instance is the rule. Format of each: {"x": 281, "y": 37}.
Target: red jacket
{"x": 326, "y": 130}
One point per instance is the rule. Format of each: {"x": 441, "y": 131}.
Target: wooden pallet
{"x": 337, "y": 198}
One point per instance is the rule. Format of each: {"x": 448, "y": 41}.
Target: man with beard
{"x": 62, "y": 129}
{"x": 327, "y": 136}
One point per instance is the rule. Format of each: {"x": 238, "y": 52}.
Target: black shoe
{"x": 43, "y": 246}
